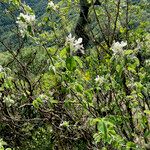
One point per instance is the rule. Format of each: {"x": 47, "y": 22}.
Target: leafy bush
{"x": 57, "y": 94}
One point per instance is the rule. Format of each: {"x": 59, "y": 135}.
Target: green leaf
{"x": 71, "y": 63}
{"x": 79, "y": 61}
{"x": 16, "y": 2}
{"x": 130, "y": 145}
{"x": 79, "y": 88}
{"x": 119, "y": 68}
{"x": 64, "y": 124}
{"x": 147, "y": 134}
{"x": 103, "y": 129}
{"x": 94, "y": 121}
{"x": 147, "y": 112}
{"x": 132, "y": 69}
{"x": 37, "y": 103}
{"x": 28, "y": 9}
{"x": 88, "y": 95}
{"x": 97, "y": 137}
{"x": 2, "y": 143}
{"x": 63, "y": 52}
{"x": 29, "y": 28}
{"x": 128, "y": 52}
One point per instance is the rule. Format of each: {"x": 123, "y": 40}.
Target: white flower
{"x": 74, "y": 44}
{"x": 23, "y": 21}
{"x": 42, "y": 96}
{"x": 147, "y": 62}
{"x": 70, "y": 39}
{"x": 78, "y": 44}
{"x": 52, "y": 5}
{"x": 99, "y": 80}
{"x": 28, "y": 18}
{"x": 1, "y": 68}
{"x": 51, "y": 92}
{"x": 117, "y": 47}
{"x": 22, "y": 27}
{"x": 69, "y": 96}
{"x": 8, "y": 101}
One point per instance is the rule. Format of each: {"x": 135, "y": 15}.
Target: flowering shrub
{"x": 117, "y": 47}
{"x": 53, "y": 99}
{"x": 73, "y": 44}
{"x": 26, "y": 21}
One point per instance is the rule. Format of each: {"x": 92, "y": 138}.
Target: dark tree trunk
{"x": 82, "y": 21}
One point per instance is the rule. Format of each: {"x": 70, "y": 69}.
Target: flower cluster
{"x": 8, "y": 101}
{"x": 117, "y": 47}
{"x": 25, "y": 20}
{"x": 99, "y": 79}
{"x": 74, "y": 44}
{"x": 52, "y": 5}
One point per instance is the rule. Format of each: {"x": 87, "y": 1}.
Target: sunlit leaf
{"x": 71, "y": 63}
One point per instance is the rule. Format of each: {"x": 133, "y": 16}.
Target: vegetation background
{"x": 74, "y": 75}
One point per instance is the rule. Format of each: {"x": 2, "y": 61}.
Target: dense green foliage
{"x": 56, "y": 94}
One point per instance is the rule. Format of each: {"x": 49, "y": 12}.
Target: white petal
{"x": 70, "y": 36}
{"x": 79, "y": 41}
{"x": 123, "y": 44}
